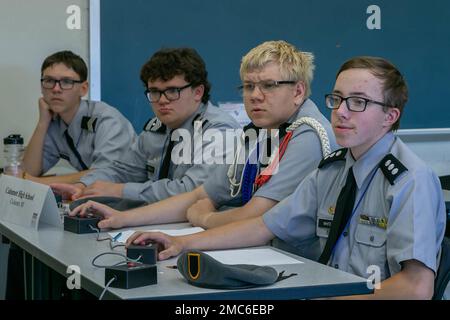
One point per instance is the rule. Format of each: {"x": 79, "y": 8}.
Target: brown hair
{"x": 394, "y": 85}
{"x": 70, "y": 60}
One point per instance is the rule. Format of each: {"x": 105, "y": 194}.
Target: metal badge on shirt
{"x": 373, "y": 221}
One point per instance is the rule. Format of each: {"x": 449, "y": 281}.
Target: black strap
{"x": 344, "y": 208}
{"x": 164, "y": 172}
{"x": 74, "y": 150}
{"x": 281, "y": 276}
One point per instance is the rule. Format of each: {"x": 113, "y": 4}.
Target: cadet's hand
{"x": 111, "y": 218}
{"x": 45, "y": 113}
{"x": 199, "y": 213}
{"x": 68, "y": 191}
{"x": 167, "y": 246}
{"x": 103, "y": 188}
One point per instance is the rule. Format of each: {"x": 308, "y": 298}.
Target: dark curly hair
{"x": 168, "y": 63}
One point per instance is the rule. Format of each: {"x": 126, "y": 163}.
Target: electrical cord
{"x": 114, "y": 254}
{"x": 112, "y": 246}
{"x": 111, "y": 241}
{"x": 106, "y": 287}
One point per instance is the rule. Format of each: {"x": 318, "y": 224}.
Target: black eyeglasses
{"x": 265, "y": 87}
{"x": 171, "y": 94}
{"x": 355, "y": 104}
{"x": 65, "y": 83}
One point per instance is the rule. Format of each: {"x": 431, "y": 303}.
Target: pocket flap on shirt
{"x": 370, "y": 235}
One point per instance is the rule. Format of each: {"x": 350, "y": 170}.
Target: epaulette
{"x": 199, "y": 117}
{"x": 88, "y": 123}
{"x": 334, "y": 156}
{"x": 155, "y": 125}
{"x": 392, "y": 168}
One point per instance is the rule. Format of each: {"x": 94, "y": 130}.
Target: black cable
{"x": 115, "y": 254}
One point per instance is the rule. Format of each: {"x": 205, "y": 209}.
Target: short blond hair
{"x": 295, "y": 65}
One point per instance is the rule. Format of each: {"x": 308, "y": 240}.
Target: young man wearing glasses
{"x": 88, "y": 134}
{"x": 177, "y": 88}
{"x": 373, "y": 209}
{"x": 276, "y": 85}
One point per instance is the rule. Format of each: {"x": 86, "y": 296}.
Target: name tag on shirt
{"x": 151, "y": 167}
{"x": 324, "y": 223}
{"x": 27, "y": 203}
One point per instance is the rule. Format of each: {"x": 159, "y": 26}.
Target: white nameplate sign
{"x": 27, "y": 203}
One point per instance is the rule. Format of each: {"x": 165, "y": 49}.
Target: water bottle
{"x": 13, "y": 152}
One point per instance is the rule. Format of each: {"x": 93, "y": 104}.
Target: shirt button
{"x": 372, "y": 238}
{"x": 336, "y": 266}
{"x": 345, "y": 233}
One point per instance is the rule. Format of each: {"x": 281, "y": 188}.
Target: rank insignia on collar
{"x": 88, "y": 123}
{"x": 155, "y": 125}
{"x": 334, "y": 156}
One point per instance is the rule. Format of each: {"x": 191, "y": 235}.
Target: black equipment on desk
{"x": 81, "y": 225}
{"x": 131, "y": 275}
{"x": 145, "y": 254}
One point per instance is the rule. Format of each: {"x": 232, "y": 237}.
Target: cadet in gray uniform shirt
{"x": 398, "y": 218}
{"x": 276, "y": 84}
{"x": 87, "y": 134}
{"x": 372, "y": 209}
{"x": 178, "y": 89}
{"x": 139, "y": 169}
{"x": 100, "y": 133}
{"x": 303, "y": 154}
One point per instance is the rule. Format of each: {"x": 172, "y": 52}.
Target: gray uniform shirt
{"x": 139, "y": 168}
{"x": 393, "y": 222}
{"x": 104, "y": 140}
{"x": 302, "y": 156}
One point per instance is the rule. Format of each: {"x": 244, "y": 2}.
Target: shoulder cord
{"x": 267, "y": 173}
{"x": 232, "y": 170}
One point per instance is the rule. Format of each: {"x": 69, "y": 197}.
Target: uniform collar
{"x": 189, "y": 123}
{"x": 75, "y": 126}
{"x": 369, "y": 161}
{"x": 306, "y": 109}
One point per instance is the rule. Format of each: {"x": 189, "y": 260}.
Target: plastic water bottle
{"x": 13, "y": 152}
